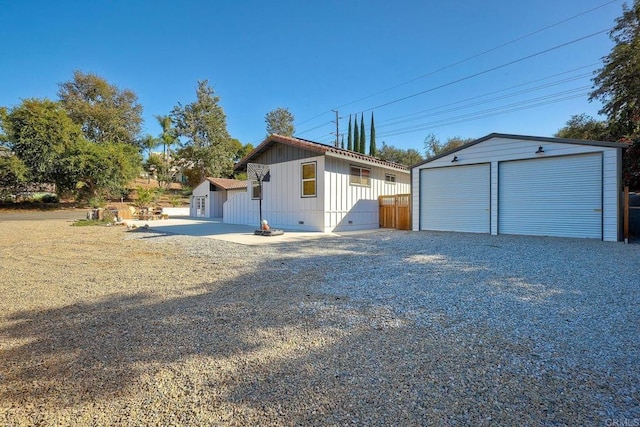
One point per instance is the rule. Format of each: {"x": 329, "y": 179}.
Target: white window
{"x": 255, "y": 190}
{"x": 360, "y": 176}
{"x": 389, "y": 178}
{"x": 308, "y": 179}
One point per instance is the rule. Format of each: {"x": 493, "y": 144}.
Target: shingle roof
{"x": 314, "y": 147}
{"x": 228, "y": 184}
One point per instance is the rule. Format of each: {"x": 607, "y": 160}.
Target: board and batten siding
{"x": 283, "y": 205}
{"x": 499, "y": 149}
{"x": 281, "y": 153}
{"x": 355, "y": 207}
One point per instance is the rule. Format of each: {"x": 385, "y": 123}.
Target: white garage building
{"x": 515, "y": 184}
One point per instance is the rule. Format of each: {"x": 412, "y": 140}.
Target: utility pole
{"x": 337, "y": 133}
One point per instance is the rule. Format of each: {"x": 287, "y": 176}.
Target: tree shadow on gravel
{"x": 298, "y": 352}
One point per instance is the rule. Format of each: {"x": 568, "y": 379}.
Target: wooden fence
{"x": 395, "y": 211}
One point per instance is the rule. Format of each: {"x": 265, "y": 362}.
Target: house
{"x": 515, "y": 184}
{"x": 314, "y": 187}
{"x": 209, "y": 196}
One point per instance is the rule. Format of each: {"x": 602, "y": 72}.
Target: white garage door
{"x": 455, "y": 198}
{"x": 557, "y": 196}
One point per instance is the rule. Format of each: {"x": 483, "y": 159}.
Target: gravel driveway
{"x": 103, "y": 326}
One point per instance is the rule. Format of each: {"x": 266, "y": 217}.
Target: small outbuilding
{"x": 516, "y": 184}
{"x": 211, "y": 194}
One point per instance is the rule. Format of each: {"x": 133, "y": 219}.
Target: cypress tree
{"x": 363, "y": 138}
{"x": 356, "y": 136}
{"x": 342, "y": 142}
{"x": 373, "y": 150}
{"x": 350, "y": 136}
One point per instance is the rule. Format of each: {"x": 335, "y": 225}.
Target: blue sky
{"x": 414, "y": 63}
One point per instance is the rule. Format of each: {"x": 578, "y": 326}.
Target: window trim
{"x": 255, "y": 184}
{"x": 314, "y": 179}
{"x": 390, "y": 178}
{"x": 351, "y": 176}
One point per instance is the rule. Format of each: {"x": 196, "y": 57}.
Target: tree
{"x": 105, "y": 113}
{"x": 342, "y": 141}
{"x": 433, "y": 146}
{"x": 350, "y": 136}
{"x": 631, "y": 165}
{"x": 356, "y": 136}
{"x": 239, "y": 150}
{"x": 583, "y": 126}
{"x": 363, "y": 138}
{"x": 208, "y": 150}
{"x": 280, "y": 121}
{"x": 39, "y": 132}
{"x": 98, "y": 170}
{"x": 13, "y": 174}
{"x": 389, "y": 153}
{"x": 617, "y": 83}
{"x": 168, "y": 136}
{"x": 373, "y": 151}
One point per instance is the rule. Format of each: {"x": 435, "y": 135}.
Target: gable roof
{"x": 525, "y": 138}
{"x": 228, "y": 184}
{"x": 315, "y": 147}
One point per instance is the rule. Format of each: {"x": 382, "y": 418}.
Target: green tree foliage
{"x": 389, "y": 153}
{"x": 105, "y": 113}
{"x": 617, "y": 83}
{"x": 631, "y": 165}
{"x": 433, "y": 146}
{"x": 208, "y": 150}
{"x": 583, "y": 126}
{"x": 39, "y": 132}
{"x": 373, "y": 151}
{"x": 356, "y": 136}
{"x": 168, "y": 136}
{"x": 98, "y": 170}
{"x": 280, "y": 121}
{"x": 363, "y": 138}
{"x": 239, "y": 150}
{"x": 350, "y": 136}
{"x": 13, "y": 174}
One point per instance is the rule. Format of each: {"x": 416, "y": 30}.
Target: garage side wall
{"x": 498, "y": 150}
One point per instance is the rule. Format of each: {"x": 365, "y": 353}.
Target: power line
{"x": 446, "y": 67}
{"x": 486, "y": 101}
{"x": 517, "y": 106}
{"x": 467, "y": 59}
{"x": 515, "y": 61}
{"x": 504, "y": 90}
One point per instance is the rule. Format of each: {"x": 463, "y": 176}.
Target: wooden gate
{"x": 395, "y": 211}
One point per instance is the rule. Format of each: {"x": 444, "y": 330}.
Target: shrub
{"x": 50, "y": 198}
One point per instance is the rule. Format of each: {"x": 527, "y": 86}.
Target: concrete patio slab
{"x": 216, "y": 229}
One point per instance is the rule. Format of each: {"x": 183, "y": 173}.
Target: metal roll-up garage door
{"x": 455, "y": 198}
{"x": 556, "y": 196}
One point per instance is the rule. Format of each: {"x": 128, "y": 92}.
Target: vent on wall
{"x": 301, "y": 222}
{"x": 280, "y": 152}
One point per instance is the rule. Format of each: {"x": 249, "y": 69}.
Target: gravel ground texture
{"x": 104, "y": 326}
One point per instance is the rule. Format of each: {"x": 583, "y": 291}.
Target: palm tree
{"x": 168, "y": 137}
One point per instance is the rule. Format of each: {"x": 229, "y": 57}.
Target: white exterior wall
{"x": 496, "y": 150}
{"x": 282, "y": 204}
{"x": 202, "y": 190}
{"x": 353, "y": 207}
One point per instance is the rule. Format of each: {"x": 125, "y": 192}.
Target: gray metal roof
{"x": 526, "y": 138}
